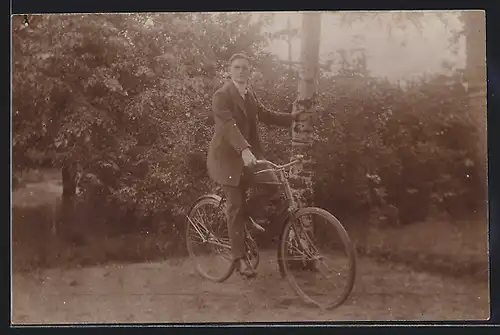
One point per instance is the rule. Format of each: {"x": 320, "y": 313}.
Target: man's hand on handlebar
{"x": 248, "y": 157}
{"x": 297, "y": 159}
{"x": 249, "y": 160}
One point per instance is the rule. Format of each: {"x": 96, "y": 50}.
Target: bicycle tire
{"x": 212, "y": 199}
{"x": 348, "y": 247}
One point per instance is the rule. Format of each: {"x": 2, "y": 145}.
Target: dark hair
{"x": 238, "y": 56}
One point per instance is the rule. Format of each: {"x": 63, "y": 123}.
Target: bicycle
{"x": 304, "y": 255}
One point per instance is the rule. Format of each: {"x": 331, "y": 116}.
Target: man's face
{"x": 240, "y": 70}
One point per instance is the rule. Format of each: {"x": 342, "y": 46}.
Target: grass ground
{"x": 456, "y": 248}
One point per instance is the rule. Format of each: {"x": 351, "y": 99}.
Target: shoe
{"x": 244, "y": 269}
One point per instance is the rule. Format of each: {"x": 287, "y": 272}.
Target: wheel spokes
{"x": 208, "y": 241}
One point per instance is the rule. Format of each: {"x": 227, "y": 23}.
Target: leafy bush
{"x": 422, "y": 143}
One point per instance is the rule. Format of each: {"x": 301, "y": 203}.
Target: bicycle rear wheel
{"x": 207, "y": 239}
{"x": 318, "y": 257}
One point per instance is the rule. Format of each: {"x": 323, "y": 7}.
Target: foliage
{"x": 128, "y": 98}
{"x": 421, "y": 143}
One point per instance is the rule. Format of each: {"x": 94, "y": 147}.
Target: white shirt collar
{"x": 242, "y": 88}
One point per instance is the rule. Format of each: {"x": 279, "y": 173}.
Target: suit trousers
{"x": 237, "y": 210}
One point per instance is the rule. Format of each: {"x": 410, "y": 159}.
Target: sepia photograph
{"x": 215, "y": 167}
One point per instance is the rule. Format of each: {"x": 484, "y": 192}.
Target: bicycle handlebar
{"x": 280, "y": 167}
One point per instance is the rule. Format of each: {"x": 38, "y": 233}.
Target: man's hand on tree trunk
{"x": 300, "y": 106}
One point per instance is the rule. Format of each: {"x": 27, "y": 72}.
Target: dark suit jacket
{"x": 235, "y": 130}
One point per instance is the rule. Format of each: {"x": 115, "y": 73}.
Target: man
{"x": 236, "y": 146}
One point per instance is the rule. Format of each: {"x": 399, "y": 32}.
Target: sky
{"x": 408, "y": 53}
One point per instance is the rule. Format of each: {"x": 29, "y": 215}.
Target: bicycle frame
{"x": 292, "y": 205}
{"x": 282, "y": 176}
{"x": 280, "y": 171}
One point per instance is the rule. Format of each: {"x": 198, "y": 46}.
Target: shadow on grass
{"x": 447, "y": 247}
{"x": 36, "y": 246}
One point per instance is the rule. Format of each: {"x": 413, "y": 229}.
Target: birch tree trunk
{"x": 301, "y": 178}
{"x": 475, "y": 45}
{"x": 475, "y": 75}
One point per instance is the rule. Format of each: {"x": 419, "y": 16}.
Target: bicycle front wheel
{"x": 318, "y": 257}
{"x": 207, "y": 239}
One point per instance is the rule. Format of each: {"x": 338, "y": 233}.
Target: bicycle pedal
{"x": 257, "y": 226}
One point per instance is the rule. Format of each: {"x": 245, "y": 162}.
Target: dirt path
{"x": 172, "y": 291}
